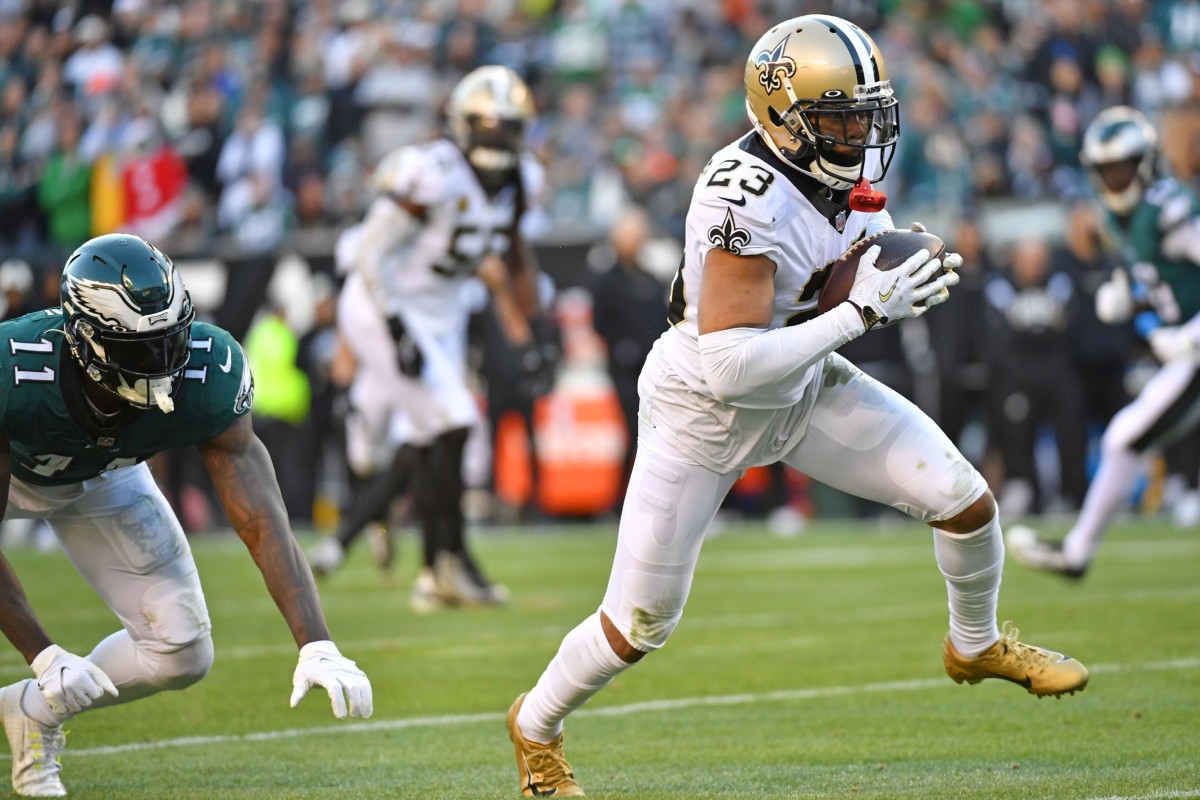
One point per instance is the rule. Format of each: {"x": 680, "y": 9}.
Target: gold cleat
{"x": 1041, "y": 672}
{"x": 543, "y": 769}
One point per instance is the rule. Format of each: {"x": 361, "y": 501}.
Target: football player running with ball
{"x": 747, "y": 375}
{"x": 90, "y": 390}
{"x": 445, "y": 211}
{"x": 1154, "y": 219}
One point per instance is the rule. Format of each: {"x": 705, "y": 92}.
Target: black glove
{"x": 409, "y": 357}
{"x": 537, "y": 372}
{"x": 538, "y": 360}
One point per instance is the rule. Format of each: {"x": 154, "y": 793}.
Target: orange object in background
{"x": 581, "y": 443}
{"x": 755, "y": 480}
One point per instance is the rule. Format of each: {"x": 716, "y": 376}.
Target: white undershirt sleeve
{"x": 738, "y": 362}
{"x": 387, "y": 226}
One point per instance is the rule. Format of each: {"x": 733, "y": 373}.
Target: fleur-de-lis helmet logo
{"x": 774, "y": 66}
{"x": 728, "y": 236}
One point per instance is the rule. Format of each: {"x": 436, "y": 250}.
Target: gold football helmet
{"x": 818, "y": 94}
{"x": 1120, "y": 154}
{"x": 487, "y": 114}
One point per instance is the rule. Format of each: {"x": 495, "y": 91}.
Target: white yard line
{"x": 612, "y": 711}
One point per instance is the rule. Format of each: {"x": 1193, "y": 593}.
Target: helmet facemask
{"x": 830, "y": 139}
{"x": 492, "y": 144}
{"x": 140, "y": 368}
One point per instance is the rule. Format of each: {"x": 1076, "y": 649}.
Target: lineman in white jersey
{"x": 747, "y": 375}
{"x": 445, "y": 211}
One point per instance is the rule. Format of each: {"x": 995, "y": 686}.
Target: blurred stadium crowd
{"x": 244, "y": 133}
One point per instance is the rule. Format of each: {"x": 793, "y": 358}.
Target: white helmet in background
{"x": 487, "y": 114}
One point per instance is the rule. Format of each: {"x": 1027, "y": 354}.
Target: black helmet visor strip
{"x": 140, "y": 356}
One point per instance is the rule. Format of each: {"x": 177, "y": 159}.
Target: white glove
{"x": 950, "y": 262}
{"x": 1114, "y": 300}
{"x": 1172, "y": 342}
{"x": 884, "y": 297}
{"x": 68, "y": 682}
{"x": 322, "y": 665}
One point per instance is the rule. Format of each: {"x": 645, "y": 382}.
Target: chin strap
{"x": 865, "y": 198}
{"x": 162, "y": 396}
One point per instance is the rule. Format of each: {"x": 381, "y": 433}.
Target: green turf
{"x": 806, "y": 668}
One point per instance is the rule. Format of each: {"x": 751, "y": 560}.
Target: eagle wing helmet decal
{"x": 104, "y": 301}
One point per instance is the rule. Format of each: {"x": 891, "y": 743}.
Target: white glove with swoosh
{"x": 69, "y": 682}
{"x": 885, "y": 297}
{"x": 322, "y": 665}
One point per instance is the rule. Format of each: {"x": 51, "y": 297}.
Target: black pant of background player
{"x": 1037, "y": 393}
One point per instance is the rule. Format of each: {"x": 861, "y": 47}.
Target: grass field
{"x": 804, "y": 668}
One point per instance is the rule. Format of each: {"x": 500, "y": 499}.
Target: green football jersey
{"x": 40, "y": 402}
{"x": 1173, "y": 285}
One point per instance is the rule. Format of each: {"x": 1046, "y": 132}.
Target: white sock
{"x": 1108, "y": 490}
{"x": 584, "y": 664}
{"x": 972, "y": 564}
{"x": 33, "y": 703}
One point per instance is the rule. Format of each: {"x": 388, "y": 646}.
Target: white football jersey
{"x": 424, "y": 277}
{"x": 747, "y": 202}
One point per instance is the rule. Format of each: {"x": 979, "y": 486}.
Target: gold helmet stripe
{"x": 859, "y": 46}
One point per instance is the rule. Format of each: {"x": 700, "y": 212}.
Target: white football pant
{"x": 437, "y": 402}
{"x": 1167, "y": 408}
{"x": 121, "y": 535}
{"x": 861, "y": 437}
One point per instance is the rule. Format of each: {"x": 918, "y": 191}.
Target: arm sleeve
{"x": 408, "y": 174}
{"x": 386, "y": 227}
{"x": 740, "y": 361}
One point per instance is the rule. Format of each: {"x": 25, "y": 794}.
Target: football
{"x": 895, "y": 247}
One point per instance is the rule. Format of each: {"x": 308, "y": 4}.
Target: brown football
{"x": 895, "y": 247}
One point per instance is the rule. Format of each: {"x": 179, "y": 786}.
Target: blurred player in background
{"x": 1154, "y": 219}
{"x": 445, "y": 211}
{"x": 116, "y": 374}
{"x": 747, "y": 375}
{"x": 370, "y": 448}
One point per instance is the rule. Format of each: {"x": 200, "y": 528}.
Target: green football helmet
{"x": 1120, "y": 154}
{"x": 128, "y": 318}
